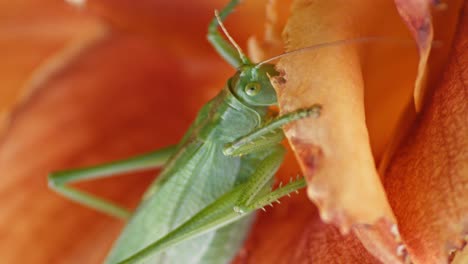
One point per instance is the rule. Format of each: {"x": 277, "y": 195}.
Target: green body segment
{"x": 196, "y": 175}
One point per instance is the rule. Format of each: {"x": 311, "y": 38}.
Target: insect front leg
{"x": 58, "y": 180}
{"x": 269, "y": 134}
{"x": 259, "y": 143}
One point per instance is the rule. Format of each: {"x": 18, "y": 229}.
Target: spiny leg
{"x": 261, "y": 201}
{"x": 239, "y": 146}
{"x": 260, "y": 181}
{"x": 253, "y": 194}
{"x": 214, "y": 216}
{"x": 223, "y": 47}
{"x": 58, "y": 180}
{"x": 220, "y": 212}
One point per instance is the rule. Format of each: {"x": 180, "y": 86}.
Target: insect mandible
{"x": 199, "y": 208}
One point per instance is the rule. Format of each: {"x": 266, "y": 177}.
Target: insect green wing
{"x": 232, "y": 206}
{"x": 200, "y": 174}
{"x": 250, "y": 194}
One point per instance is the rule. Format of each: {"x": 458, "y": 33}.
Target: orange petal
{"x": 292, "y": 232}
{"x": 271, "y": 44}
{"x": 417, "y": 15}
{"x": 334, "y": 150}
{"x": 108, "y": 103}
{"x": 461, "y": 257}
{"x": 33, "y": 34}
{"x": 175, "y": 21}
{"x": 426, "y": 180}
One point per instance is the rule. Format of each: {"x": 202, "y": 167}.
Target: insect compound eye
{"x": 252, "y": 88}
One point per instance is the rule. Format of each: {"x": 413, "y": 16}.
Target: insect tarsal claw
{"x": 314, "y": 111}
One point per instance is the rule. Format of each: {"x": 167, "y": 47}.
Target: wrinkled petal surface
{"x": 334, "y": 151}
{"x": 427, "y": 180}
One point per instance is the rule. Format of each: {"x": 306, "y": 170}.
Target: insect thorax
{"x": 225, "y": 118}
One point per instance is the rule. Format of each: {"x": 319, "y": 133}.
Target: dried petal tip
{"x": 395, "y": 232}
{"x": 401, "y": 250}
{"x": 456, "y": 247}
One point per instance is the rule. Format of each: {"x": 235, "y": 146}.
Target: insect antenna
{"x": 242, "y": 56}
{"x": 335, "y": 43}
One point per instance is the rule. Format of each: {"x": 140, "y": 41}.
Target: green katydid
{"x": 199, "y": 208}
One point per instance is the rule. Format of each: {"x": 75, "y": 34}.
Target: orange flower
{"x": 109, "y": 79}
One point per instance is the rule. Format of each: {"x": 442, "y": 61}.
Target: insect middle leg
{"x": 58, "y": 180}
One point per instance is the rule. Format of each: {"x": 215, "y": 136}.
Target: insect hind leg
{"x": 260, "y": 201}
{"x": 58, "y": 181}
{"x": 256, "y": 191}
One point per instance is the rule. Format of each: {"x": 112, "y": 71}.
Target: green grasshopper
{"x": 199, "y": 208}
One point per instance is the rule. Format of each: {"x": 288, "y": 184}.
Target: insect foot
{"x": 314, "y": 111}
